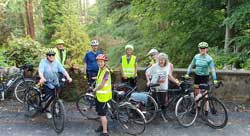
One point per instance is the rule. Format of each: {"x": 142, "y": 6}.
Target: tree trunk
{"x": 228, "y": 29}
{"x": 30, "y": 20}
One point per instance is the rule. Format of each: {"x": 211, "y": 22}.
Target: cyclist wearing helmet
{"x": 153, "y": 53}
{"x": 128, "y": 66}
{"x": 90, "y": 63}
{"x": 48, "y": 73}
{"x": 60, "y": 51}
{"x": 103, "y": 93}
{"x": 202, "y": 62}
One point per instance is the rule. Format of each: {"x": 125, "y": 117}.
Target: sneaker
{"x": 49, "y": 115}
{"x": 104, "y": 134}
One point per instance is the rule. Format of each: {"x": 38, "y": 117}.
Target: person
{"x": 160, "y": 73}
{"x": 90, "y": 64}
{"x": 103, "y": 93}
{"x": 60, "y": 51}
{"x": 128, "y": 66}
{"x": 154, "y": 59}
{"x": 48, "y": 72}
{"x": 153, "y": 53}
{"x": 202, "y": 62}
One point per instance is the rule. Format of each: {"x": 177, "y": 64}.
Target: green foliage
{"x": 174, "y": 27}
{"x": 75, "y": 38}
{"x": 3, "y": 62}
{"x": 52, "y": 16}
{"x": 20, "y": 51}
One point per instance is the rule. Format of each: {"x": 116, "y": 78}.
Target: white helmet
{"x": 152, "y": 51}
{"x": 94, "y": 43}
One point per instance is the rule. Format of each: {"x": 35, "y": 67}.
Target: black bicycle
{"x": 16, "y": 81}
{"x": 212, "y": 109}
{"x": 37, "y": 102}
{"x": 129, "y": 117}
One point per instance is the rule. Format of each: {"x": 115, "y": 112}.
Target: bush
{"x": 20, "y": 51}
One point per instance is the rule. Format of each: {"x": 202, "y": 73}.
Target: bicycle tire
{"x": 186, "y": 110}
{"x": 86, "y": 106}
{"x": 20, "y": 89}
{"x": 131, "y": 119}
{"x": 32, "y": 101}
{"x": 169, "y": 110}
{"x": 148, "y": 109}
{"x": 58, "y": 115}
{"x": 214, "y": 111}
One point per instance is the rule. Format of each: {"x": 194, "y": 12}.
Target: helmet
{"x": 59, "y": 41}
{"x": 129, "y": 46}
{"x": 203, "y": 45}
{"x": 50, "y": 51}
{"x": 102, "y": 57}
{"x": 152, "y": 51}
{"x": 163, "y": 55}
{"x": 94, "y": 43}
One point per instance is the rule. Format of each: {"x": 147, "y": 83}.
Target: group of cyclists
{"x": 159, "y": 71}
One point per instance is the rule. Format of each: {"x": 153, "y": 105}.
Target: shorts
{"x": 101, "y": 108}
{"x": 201, "y": 79}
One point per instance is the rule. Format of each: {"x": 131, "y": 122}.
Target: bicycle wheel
{"x": 214, "y": 112}
{"x": 186, "y": 111}
{"x": 58, "y": 115}
{"x": 32, "y": 101}
{"x": 86, "y": 106}
{"x": 149, "y": 108}
{"x": 20, "y": 88}
{"x": 131, "y": 119}
{"x": 168, "y": 110}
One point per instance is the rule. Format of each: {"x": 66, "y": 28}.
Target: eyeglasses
{"x": 202, "y": 48}
{"x": 50, "y": 55}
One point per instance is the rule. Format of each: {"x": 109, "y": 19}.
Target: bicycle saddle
{"x": 154, "y": 85}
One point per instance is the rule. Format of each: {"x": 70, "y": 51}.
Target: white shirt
{"x": 159, "y": 75}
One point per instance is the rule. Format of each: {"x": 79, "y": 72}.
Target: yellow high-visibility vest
{"x": 105, "y": 93}
{"x": 57, "y": 56}
{"x": 129, "y": 68}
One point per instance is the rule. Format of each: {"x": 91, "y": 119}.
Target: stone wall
{"x": 236, "y": 86}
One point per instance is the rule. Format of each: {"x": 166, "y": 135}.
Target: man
{"x": 90, "y": 64}
{"x": 129, "y": 66}
{"x": 60, "y": 51}
{"x": 48, "y": 73}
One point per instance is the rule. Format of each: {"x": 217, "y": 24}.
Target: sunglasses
{"x": 152, "y": 55}
{"x": 202, "y": 48}
{"x": 50, "y": 54}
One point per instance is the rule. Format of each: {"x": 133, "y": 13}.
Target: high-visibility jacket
{"x": 105, "y": 93}
{"x": 129, "y": 68}
{"x": 61, "y": 60}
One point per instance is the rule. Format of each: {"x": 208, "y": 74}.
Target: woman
{"x": 103, "y": 93}
{"x": 202, "y": 62}
{"x": 128, "y": 66}
{"x": 160, "y": 73}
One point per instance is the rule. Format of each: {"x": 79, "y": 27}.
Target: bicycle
{"x": 150, "y": 102}
{"x": 37, "y": 102}
{"x": 210, "y": 106}
{"x": 18, "y": 81}
{"x": 129, "y": 117}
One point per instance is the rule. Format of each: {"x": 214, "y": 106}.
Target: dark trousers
{"x": 131, "y": 81}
